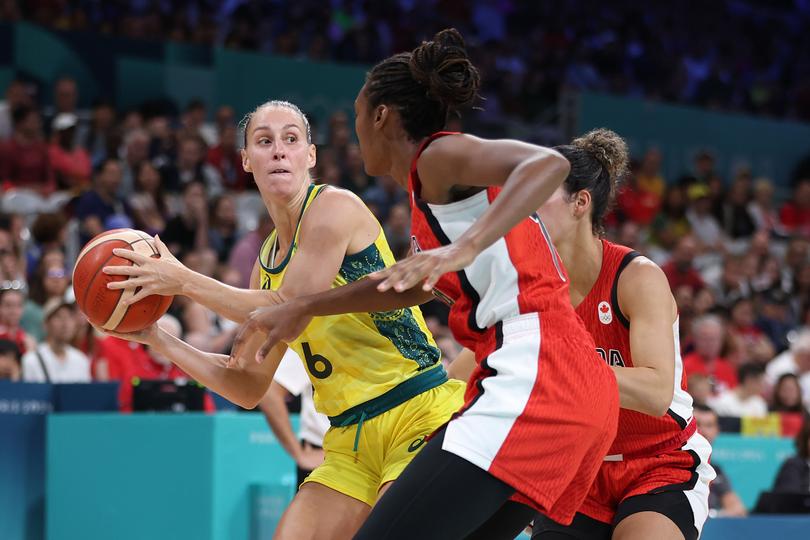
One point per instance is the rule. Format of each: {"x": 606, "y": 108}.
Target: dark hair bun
{"x": 443, "y": 68}
{"x": 607, "y": 147}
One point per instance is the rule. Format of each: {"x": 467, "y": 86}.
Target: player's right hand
{"x": 309, "y": 457}
{"x": 148, "y": 275}
{"x": 281, "y": 322}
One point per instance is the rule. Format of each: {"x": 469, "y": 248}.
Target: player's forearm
{"x": 235, "y": 384}
{"x": 360, "y": 297}
{"x": 644, "y": 389}
{"x": 229, "y": 302}
{"x": 278, "y": 418}
{"x": 529, "y": 185}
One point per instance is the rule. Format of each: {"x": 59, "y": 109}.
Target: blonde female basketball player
{"x": 376, "y": 375}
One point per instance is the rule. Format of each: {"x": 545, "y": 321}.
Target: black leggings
{"x": 438, "y": 496}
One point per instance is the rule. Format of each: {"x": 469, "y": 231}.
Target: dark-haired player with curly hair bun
{"x": 541, "y": 408}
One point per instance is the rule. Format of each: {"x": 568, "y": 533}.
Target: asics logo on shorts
{"x": 414, "y": 446}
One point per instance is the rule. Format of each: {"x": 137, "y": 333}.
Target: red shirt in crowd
{"x": 638, "y": 206}
{"x": 17, "y": 337}
{"x": 795, "y": 219}
{"x": 26, "y": 166}
{"x": 126, "y": 360}
{"x": 678, "y": 277}
{"x": 720, "y": 370}
{"x": 72, "y": 169}
{"x": 228, "y": 162}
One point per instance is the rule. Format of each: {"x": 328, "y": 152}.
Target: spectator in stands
{"x": 12, "y": 261}
{"x": 398, "y": 230}
{"x": 103, "y": 138}
{"x": 787, "y": 395}
{"x": 16, "y": 96}
{"x": 49, "y": 280}
{"x": 648, "y": 177}
{"x": 680, "y": 270}
{"x": 48, "y": 232}
{"x": 700, "y": 388}
{"x": 189, "y": 229}
{"x": 193, "y": 123}
{"x": 723, "y": 501}
{"x": 66, "y": 99}
{"x": 762, "y": 210}
{"x": 795, "y": 214}
{"x": 24, "y": 157}
{"x": 732, "y": 285}
{"x": 636, "y": 203}
{"x": 191, "y": 166}
{"x": 794, "y": 474}
{"x": 671, "y": 224}
{"x": 746, "y": 399}
{"x": 709, "y": 334}
{"x": 795, "y": 360}
{"x": 383, "y": 196}
{"x": 11, "y": 309}
{"x": 149, "y": 203}
{"x": 55, "y": 360}
{"x": 735, "y": 218}
{"x": 774, "y": 318}
{"x": 96, "y": 207}
{"x": 225, "y": 158}
{"x": 354, "y": 176}
{"x": 136, "y": 153}
{"x": 702, "y": 221}
{"x": 70, "y": 162}
{"x": 222, "y": 233}
{"x": 243, "y": 255}
{"x": 10, "y": 361}
{"x": 752, "y": 343}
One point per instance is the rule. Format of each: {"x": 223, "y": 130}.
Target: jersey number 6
{"x": 317, "y": 364}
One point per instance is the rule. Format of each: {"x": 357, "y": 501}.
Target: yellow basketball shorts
{"x": 387, "y": 443}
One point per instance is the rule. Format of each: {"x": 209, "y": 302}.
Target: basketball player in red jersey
{"x": 541, "y": 407}
{"x": 655, "y": 481}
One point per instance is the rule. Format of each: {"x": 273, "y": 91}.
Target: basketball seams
{"x": 120, "y": 312}
{"x": 89, "y": 286}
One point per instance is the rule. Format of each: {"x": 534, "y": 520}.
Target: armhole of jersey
{"x": 614, "y": 291}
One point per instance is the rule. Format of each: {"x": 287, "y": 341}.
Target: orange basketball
{"x": 103, "y": 306}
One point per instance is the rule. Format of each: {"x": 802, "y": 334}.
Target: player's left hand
{"x": 281, "y": 322}
{"x": 426, "y": 267}
{"x": 147, "y": 336}
{"x": 164, "y": 275}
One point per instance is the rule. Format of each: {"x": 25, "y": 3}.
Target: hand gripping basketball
{"x": 114, "y": 310}
{"x": 148, "y": 275}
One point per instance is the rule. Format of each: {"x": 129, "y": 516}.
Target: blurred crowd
{"x": 749, "y": 55}
{"x": 736, "y": 258}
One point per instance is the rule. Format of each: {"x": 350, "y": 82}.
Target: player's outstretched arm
{"x": 645, "y": 298}
{"x": 169, "y": 277}
{"x": 284, "y": 322}
{"x": 528, "y": 175}
{"x": 275, "y": 412}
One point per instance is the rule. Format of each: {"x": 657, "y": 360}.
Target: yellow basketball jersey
{"x": 355, "y": 357}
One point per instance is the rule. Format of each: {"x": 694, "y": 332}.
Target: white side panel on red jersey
{"x": 478, "y": 434}
{"x": 492, "y": 274}
{"x": 681, "y": 400}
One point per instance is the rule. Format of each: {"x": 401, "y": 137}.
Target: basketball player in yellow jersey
{"x": 377, "y": 376}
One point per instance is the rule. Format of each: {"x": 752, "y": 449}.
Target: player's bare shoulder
{"x": 343, "y": 213}
{"x": 643, "y": 281}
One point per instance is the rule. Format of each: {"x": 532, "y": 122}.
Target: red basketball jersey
{"x": 638, "y": 433}
{"x": 520, "y": 273}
